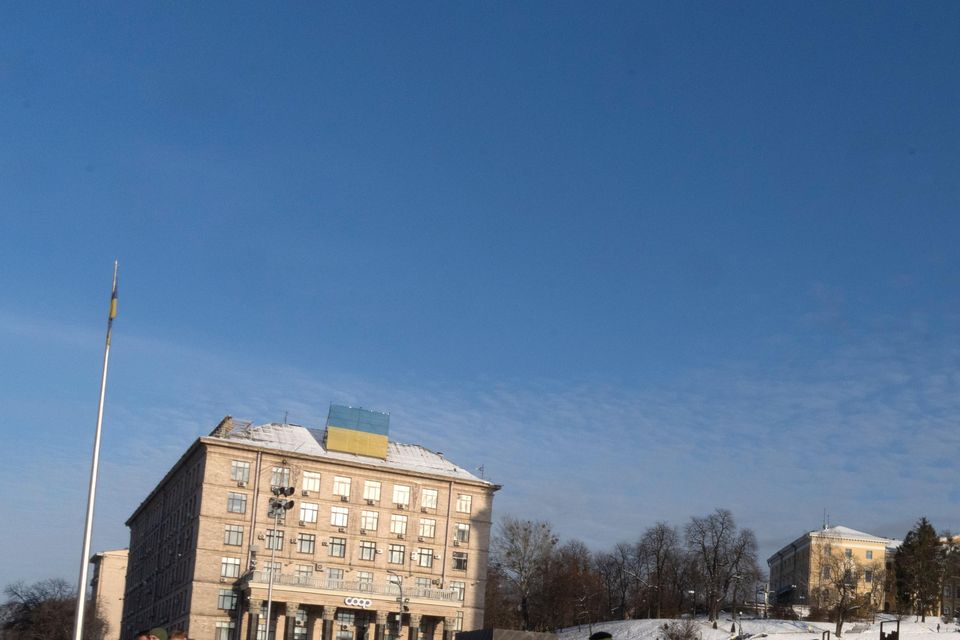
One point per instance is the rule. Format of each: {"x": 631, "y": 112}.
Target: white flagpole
{"x": 91, "y": 497}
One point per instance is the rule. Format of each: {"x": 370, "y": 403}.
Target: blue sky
{"x": 638, "y": 260}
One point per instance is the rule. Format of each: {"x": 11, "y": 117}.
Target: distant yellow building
{"x": 108, "y": 583}
{"x": 802, "y": 572}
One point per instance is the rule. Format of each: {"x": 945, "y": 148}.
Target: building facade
{"x": 340, "y": 533}
{"x": 107, "y": 587}
{"x": 802, "y": 571}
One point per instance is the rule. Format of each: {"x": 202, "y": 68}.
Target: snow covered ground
{"x": 774, "y": 630}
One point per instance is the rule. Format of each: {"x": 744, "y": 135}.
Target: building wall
{"x": 162, "y": 549}
{"x": 189, "y": 594}
{"x": 796, "y": 571}
{"x": 109, "y": 580}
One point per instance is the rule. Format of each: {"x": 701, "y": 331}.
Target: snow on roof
{"x": 847, "y": 532}
{"x": 297, "y": 439}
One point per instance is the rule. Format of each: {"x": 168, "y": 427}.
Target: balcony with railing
{"x": 350, "y": 587}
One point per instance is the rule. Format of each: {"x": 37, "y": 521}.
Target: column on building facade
{"x": 328, "y": 614}
{"x": 414, "y": 626}
{"x": 253, "y": 618}
{"x": 279, "y": 628}
{"x": 449, "y": 628}
{"x": 381, "y": 628}
{"x": 290, "y": 620}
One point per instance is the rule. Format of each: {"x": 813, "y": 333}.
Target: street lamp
{"x": 693, "y": 604}
{"x": 397, "y": 579}
{"x": 279, "y": 505}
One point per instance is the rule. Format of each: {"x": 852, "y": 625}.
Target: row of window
{"x": 367, "y": 550}
{"x": 847, "y": 574}
{"x": 369, "y": 520}
{"x": 310, "y": 482}
{"x": 227, "y": 598}
{"x": 337, "y": 548}
{"x": 849, "y": 554}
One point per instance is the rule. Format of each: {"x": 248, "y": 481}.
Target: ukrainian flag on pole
{"x": 113, "y": 303}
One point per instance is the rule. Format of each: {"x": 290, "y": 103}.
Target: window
{"x": 338, "y": 547}
{"x": 338, "y": 516}
{"x": 309, "y": 511}
{"x": 239, "y": 471}
{"x": 398, "y": 524}
{"x": 848, "y": 553}
{"x": 341, "y": 486}
{"x": 223, "y": 630}
{"x": 229, "y": 567}
{"x": 459, "y": 561}
{"x": 868, "y": 576}
{"x": 300, "y": 625}
{"x": 236, "y": 502}
{"x": 275, "y": 539}
{"x": 462, "y": 533}
{"x": 869, "y": 555}
{"x": 423, "y": 586}
{"x": 428, "y": 528}
{"x": 401, "y": 494}
{"x": 280, "y": 477}
{"x": 396, "y": 554}
{"x": 368, "y": 520}
{"x": 459, "y": 589}
{"x": 275, "y": 567}
{"x": 262, "y": 625}
{"x": 233, "y": 535}
{"x": 425, "y": 557}
{"x": 368, "y": 550}
{"x": 364, "y": 581}
{"x": 824, "y": 573}
{"x": 227, "y": 599}
{"x": 371, "y": 490}
{"x": 428, "y": 498}
{"x": 304, "y": 573}
{"x": 458, "y": 621}
{"x": 464, "y": 503}
{"x": 334, "y": 578}
{"x": 311, "y": 481}
{"x": 306, "y": 543}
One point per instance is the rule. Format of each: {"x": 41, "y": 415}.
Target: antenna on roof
{"x": 823, "y": 523}
{"x": 285, "y": 414}
{"x": 480, "y": 469}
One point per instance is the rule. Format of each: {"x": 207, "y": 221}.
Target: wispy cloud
{"x": 863, "y": 430}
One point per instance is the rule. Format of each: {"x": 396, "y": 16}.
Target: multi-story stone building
{"x": 109, "y": 578}
{"x": 367, "y": 539}
{"x": 804, "y": 569}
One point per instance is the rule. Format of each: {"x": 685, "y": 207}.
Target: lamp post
{"x": 738, "y": 579}
{"x": 693, "y": 603}
{"x": 397, "y": 579}
{"x": 279, "y": 505}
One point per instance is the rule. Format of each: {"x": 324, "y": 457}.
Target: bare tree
{"x": 45, "y": 611}
{"x": 722, "y": 551}
{"x": 661, "y": 545}
{"x": 521, "y": 550}
{"x": 847, "y": 588}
